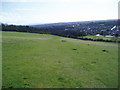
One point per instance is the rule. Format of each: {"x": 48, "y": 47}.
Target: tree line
{"x": 76, "y": 34}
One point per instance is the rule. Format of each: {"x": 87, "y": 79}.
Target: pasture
{"x": 32, "y": 60}
{"x": 103, "y": 38}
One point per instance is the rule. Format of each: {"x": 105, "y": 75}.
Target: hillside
{"x": 46, "y": 61}
{"x": 76, "y": 30}
{"x": 103, "y": 27}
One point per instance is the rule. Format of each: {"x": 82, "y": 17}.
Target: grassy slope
{"x": 39, "y": 60}
{"x": 102, "y": 37}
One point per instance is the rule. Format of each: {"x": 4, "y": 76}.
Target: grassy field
{"x": 102, "y": 37}
{"x": 46, "y": 61}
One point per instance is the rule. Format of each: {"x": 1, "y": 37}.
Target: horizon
{"x": 29, "y": 12}
{"x": 60, "y": 22}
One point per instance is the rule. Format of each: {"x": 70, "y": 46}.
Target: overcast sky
{"x": 51, "y": 11}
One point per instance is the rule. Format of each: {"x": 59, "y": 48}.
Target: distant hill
{"x": 77, "y": 24}
{"x": 107, "y": 27}
{"x": 71, "y": 29}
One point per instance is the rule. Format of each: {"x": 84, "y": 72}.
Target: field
{"x": 102, "y": 37}
{"x": 45, "y": 61}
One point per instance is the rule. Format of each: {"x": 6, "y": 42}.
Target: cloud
{"x": 10, "y": 17}
{"x": 66, "y": 1}
{"x": 77, "y": 10}
{"x": 24, "y": 9}
{"x": 30, "y": 0}
{"x": 58, "y": 0}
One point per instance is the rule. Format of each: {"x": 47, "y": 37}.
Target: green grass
{"x": 102, "y": 37}
{"x": 44, "y": 61}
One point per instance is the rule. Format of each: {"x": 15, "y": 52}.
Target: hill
{"x": 74, "y": 30}
{"x": 103, "y": 27}
{"x": 47, "y": 61}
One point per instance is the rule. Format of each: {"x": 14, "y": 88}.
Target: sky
{"x": 25, "y": 12}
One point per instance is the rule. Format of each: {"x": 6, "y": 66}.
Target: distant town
{"x": 106, "y": 28}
